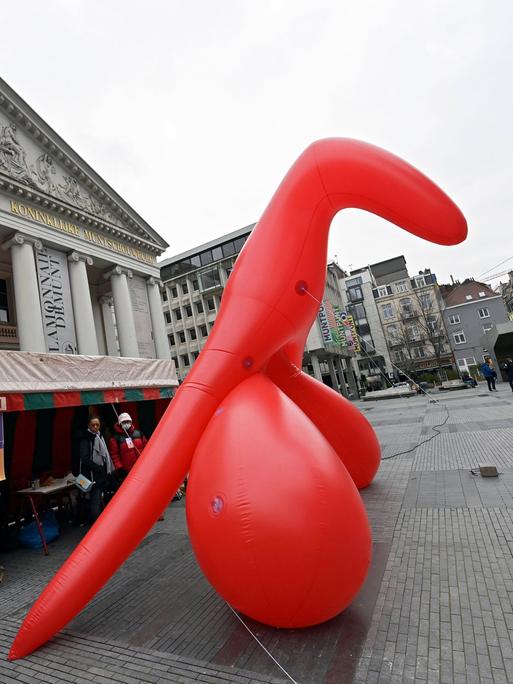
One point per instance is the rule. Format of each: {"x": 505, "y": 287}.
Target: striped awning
{"x": 31, "y": 401}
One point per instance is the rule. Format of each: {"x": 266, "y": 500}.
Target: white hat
{"x": 124, "y": 418}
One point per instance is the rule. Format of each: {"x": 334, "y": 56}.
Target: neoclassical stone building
{"x": 78, "y": 270}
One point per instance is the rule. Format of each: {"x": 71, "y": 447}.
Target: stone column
{"x": 343, "y": 388}
{"x": 123, "y": 309}
{"x": 29, "y": 318}
{"x": 82, "y": 307}
{"x": 157, "y": 319}
{"x": 99, "y": 326}
{"x": 316, "y": 366}
{"x": 108, "y": 326}
{"x": 351, "y": 381}
{"x": 333, "y": 375}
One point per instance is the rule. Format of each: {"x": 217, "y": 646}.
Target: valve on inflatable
{"x": 275, "y": 457}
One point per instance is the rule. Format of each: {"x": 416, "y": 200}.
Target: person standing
{"x": 126, "y": 445}
{"x": 489, "y": 373}
{"x": 96, "y": 464}
{"x": 508, "y": 367}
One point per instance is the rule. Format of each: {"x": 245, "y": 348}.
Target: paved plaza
{"x": 437, "y": 605}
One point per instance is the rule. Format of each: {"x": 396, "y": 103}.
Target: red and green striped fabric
{"x": 31, "y": 401}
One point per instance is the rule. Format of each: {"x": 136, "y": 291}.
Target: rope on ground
{"x": 261, "y": 644}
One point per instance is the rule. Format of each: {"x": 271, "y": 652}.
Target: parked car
{"x": 402, "y": 385}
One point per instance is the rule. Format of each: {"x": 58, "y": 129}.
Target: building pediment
{"x": 38, "y": 166}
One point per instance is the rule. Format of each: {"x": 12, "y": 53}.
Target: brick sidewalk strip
{"x": 437, "y": 605}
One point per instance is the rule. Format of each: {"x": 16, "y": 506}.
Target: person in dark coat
{"x": 508, "y": 367}
{"x": 96, "y": 464}
{"x": 489, "y": 373}
{"x": 126, "y": 445}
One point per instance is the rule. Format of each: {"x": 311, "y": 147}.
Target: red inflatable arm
{"x": 275, "y": 519}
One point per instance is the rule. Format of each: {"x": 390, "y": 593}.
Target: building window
{"x": 487, "y": 328}
{"x": 406, "y": 308}
{"x": 454, "y": 319}
{"x": 420, "y": 281}
{"x": 471, "y": 361}
{"x": 228, "y": 249}
{"x": 203, "y": 330}
{"x": 206, "y": 258}
{"x": 393, "y": 334}
{"x": 419, "y": 353}
{"x": 482, "y": 294}
{"x": 174, "y": 292}
{"x": 217, "y": 253}
{"x": 413, "y": 332}
{"x": 192, "y": 334}
{"x": 181, "y": 337}
{"x": 484, "y": 313}
{"x": 188, "y": 310}
{"x": 239, "y": 243}
{"x": 425, "y": 301}
{"x": 355, "y": 293}
{"x": 185, "y": 289}
{"x": 4, "y": 304}
{"x": 185, "y": 359}
{"x": 199, "y": 307}
{"x": 195, "y": 285}
{"x": 178, "y": 314}
{"x": 387, "y": 311}
{"x": 164, "y": 295}
{"x": 195, "y": 355}
{"x": 175, "y": 361}
{"x": 459, "y": 338}
{"x": 462, "y": 363}
{"x": 211, "y": 304}
{"x": 468, "y": 297}
{"x": 401, "y": 287}
{"x": 171, "y": 339}
{"x": 167, "y": 316}
{"x": 382, "y": 291}
{"x": 209, "y": 278}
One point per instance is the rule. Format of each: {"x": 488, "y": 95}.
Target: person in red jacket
{"x": 126, "y": 445}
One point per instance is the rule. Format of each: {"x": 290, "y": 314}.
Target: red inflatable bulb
{"x": 276, "y": 522}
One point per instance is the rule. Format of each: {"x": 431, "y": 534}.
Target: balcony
{"x": 8, "y": 336}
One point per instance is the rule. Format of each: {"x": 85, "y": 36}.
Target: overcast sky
{"x": 194, "y": 110}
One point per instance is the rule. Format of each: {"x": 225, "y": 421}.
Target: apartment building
{"x": 472, "y": 310}
{"x": 372, "y": 358}
{"x": 410, "y": 309}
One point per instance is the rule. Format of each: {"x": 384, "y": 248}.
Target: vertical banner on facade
{"x": 332, "y": 328}
{"x": 142, "y": 318}
{"x": 56, "y": 306}
{"x": 341, "y": 331}
{"x": 347, "y": 329}
{"x": 354, "y": 334}
{"x": 324, "y": 323}
{"x": 2, "y": 466}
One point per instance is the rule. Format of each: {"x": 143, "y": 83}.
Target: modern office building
{"x": 193, "y": 286}
{"x": 78, "y": 271}
{"x": 472, "y": 313}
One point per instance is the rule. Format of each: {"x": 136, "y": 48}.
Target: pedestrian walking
{"x": 489, "y": 373}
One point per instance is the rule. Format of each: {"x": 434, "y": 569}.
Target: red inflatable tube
{"x": 271, "y": 487}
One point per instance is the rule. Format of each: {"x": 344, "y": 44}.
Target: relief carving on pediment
{"x": 42, "y": 173}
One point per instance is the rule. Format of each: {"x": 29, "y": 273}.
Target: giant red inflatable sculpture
{"x": 275, "y": 458}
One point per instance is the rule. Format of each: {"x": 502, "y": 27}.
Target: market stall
{"x": 45, "y": 402}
